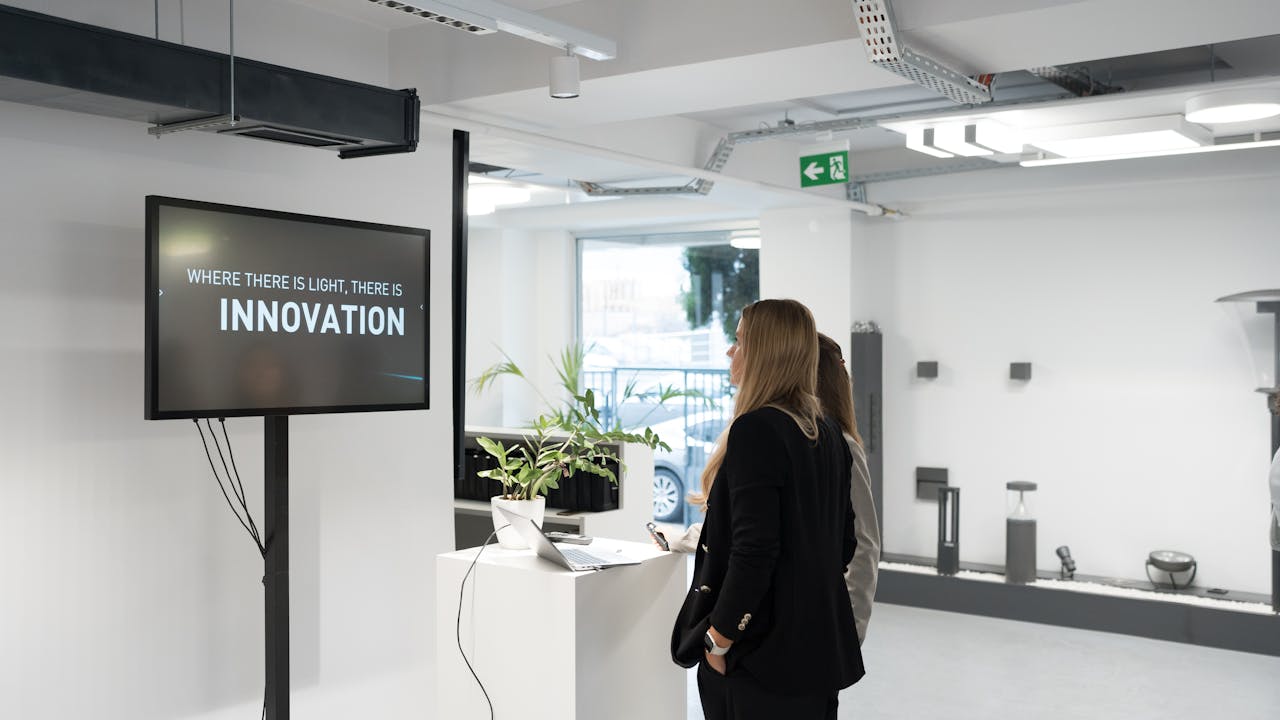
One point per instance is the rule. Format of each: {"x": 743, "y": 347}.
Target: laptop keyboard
{"x": 578, "y": 557}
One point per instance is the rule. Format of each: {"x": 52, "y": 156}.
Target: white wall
{"x": 521, "y": 298}
{"x": 1139, "y": 423}
{"x": 129, "y": 590}
{"x": 805, "y": 255}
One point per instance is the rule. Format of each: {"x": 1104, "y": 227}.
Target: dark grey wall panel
{"x": 866, "y": 366}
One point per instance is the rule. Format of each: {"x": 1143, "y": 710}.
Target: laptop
{"x": 572, "y": 558}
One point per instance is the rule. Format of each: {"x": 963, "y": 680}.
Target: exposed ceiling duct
{"x": 1077, "y": 82}
{"x": 879, "y": 33}
{"x": 57, "y": 63}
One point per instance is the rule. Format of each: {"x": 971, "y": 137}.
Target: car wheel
{"x": 668, "y": 496}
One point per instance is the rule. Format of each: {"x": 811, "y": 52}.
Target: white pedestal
{"x": 550, "y": 644}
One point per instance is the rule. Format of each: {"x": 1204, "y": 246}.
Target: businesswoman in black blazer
{"x": 767, "y": 618}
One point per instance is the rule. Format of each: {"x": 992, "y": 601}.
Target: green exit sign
{"x": 824, "y": 169}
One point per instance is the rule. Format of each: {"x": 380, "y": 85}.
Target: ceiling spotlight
{"x": 564, "y": 76}
{"x": 1232, "y": 106}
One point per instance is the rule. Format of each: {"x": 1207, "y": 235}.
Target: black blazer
{"x": 769, "y": 569}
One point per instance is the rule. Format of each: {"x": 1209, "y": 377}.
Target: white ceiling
{"x": 689, "y": 73}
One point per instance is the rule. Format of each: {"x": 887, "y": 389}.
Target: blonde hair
{"x": 835, "y": 390}
{"x": 778, "y": 342}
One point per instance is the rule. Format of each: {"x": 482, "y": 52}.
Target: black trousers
{"x": 740, "y": 697}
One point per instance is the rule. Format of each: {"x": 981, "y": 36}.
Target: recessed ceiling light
{"x": 1231, "y": 106}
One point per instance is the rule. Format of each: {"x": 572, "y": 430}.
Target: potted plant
{"x": 569, "y": 438}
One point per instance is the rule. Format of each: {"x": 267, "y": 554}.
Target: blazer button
{"x": 704, "y": 589}
{"x": 706, "y": 549}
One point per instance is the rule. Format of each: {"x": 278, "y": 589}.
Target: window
{"x": 657, "y": 313}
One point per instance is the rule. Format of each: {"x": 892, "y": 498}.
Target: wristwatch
{"x": 711, "y": 646}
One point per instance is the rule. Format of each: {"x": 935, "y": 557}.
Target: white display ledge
{"x": 1242, "y": 624}
{"x": 1094, "y": 588}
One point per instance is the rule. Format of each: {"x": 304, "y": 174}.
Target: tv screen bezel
{"x": 151, "y": 350}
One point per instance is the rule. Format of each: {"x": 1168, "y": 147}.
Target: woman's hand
{"x": 715, "y": 661}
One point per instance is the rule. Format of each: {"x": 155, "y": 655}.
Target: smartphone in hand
{"x": 657, "y": 536}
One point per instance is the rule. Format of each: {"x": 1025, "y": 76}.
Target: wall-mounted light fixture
{"x": 1229, "y": 106}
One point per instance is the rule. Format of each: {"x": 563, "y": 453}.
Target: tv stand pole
{"x": 276, "y": 560}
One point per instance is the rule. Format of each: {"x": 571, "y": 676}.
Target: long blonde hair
{"x": 835, "y": 390}
{"x": 778, "y": 342}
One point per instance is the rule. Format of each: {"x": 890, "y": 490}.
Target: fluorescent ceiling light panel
{"x": 1231, "y": 106}
{"x": 1042, "y": 162}
{"x": 998, "y": 137}
{"x": 1121, "y": 137}
{"x": 487, "y": 14}
{"x": 959, "y": 139}
{"x": 982, "y": 137}
{"x": 922, "y": 140}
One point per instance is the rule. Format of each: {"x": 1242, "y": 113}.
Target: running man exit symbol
{"x": 824, "y": 169}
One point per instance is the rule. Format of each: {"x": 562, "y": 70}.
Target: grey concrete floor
{"x": 932, "y": 664}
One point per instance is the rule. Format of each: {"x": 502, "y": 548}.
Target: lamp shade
{"x": 564, "y": 76}
{"x": 1230, "y": 106}
{"x": 1253, "y": 322}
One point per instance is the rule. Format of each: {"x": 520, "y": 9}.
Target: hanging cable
{"x": 231, "y": 23}
{"x": 458, "y": 627}
{"x": 243, "y": 503}
{"x": 252, "y": 534}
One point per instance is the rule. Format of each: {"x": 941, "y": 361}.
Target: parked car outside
{"x": 692, "y": 439}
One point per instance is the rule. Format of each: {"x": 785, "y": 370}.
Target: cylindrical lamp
{"x": 564, "y": 76}
{"x": 1019, "y": 535}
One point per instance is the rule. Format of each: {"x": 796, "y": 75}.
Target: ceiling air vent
{"x": 289, "y": 136}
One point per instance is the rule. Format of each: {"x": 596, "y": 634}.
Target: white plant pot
{"x": 533, "y": 509}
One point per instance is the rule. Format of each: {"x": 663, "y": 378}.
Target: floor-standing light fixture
{"x": 1268, "y": 371}
{"x": 948, "y": 530}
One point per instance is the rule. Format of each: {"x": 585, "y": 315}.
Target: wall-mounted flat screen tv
{"x": 256, "y": 312}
